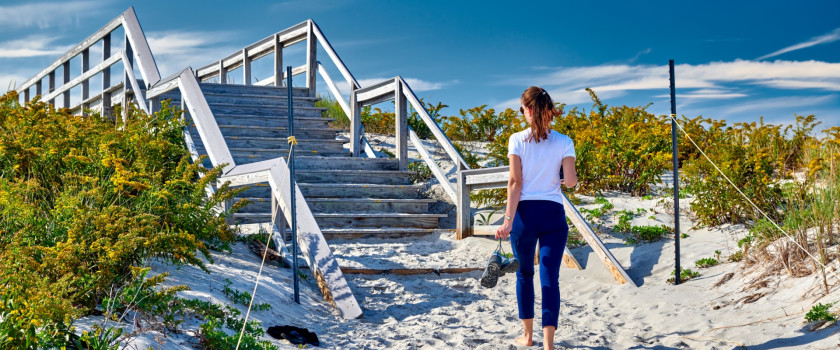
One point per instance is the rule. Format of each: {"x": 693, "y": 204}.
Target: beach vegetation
{"x": 84, "y": 202}
{"x": 685, "y": 275}
{"x": 821, "y": 313}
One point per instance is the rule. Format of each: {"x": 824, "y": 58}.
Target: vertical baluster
{"x": 278, "y": 61}
{"x": 26, "y": 95}
{"x": 129, "y": 54}
{"x": 222, "y": 72}
{"x": 105, "y": 105}
{"x": 85, "y": 83}
{"x": 311, "y": 65}
{"x": 246, "y": 67}
{"x": 401, "y": 128}
{"x": 38, "y": 87}
{"x": 355, "y": 122}
{"x": 52, "y": 87}
{"x": 66, "y": 94}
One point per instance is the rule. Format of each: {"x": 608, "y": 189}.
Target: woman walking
{"x": 535, "y": 210}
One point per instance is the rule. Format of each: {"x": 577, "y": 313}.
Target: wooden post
{"x": 278, "y": 61}
{"x": 355, "y": 123}
{"x": 129, "y": 54}
{"x": 401, "y": 127}
{"x": 85, "y": 83}
{"x": 26, "y": 95}
{"x": 311, "y": 61}
{"x": 222, "y": 72}
{"x": 464, "y": 224}
{"x": 277, "y": 218}
{"x": 52, "y": 86}
{"x": 105, "y": 105}
{"x": 246, "y": 68}
{"x": 38, "y": 87}
{"x": 66, "y": 94}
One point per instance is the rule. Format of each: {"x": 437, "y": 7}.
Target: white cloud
{"x": 829, "y": 37}
{"x": 47, "y": 14}
{"x": 9, "y": 81}
{"x": 175, "y": 50}
{"x": 777, "y": 103}
{"x": 31, "y": 46}
{"x": 709, "y": 81}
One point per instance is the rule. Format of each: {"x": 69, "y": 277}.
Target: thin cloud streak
{"x": 829, "y": 37}
{"x": 31, "y": 46}
{"x": 47, "y": 14}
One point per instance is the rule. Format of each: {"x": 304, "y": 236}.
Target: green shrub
{"x": 821, "y": 312}
{"x": 624, "y": 218}
{"x": 242, "y": 298}
{"x": 647, "y": 234}
{"x": 334, "y": 111}
{"x": 422, "y": 172}
{"x": 82, "y": 200}
{"x": 685, "y": 275}
{"x": 706, "y": 262}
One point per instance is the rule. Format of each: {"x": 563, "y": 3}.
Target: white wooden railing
{"x": 136, "y": 48}
{"x": 309, "y": 33}
{"x": 311, "y": 241}
{"x": 490, "y": 178}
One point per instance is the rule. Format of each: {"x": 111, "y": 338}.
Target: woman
{"x": 535, "y": 210}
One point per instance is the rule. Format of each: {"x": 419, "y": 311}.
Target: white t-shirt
{"x": 541, "y": 164}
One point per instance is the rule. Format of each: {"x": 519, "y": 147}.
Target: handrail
{"x": 136, "y": 47}
{"x": 313, "y": 245}
{"x": 489, "y": 178}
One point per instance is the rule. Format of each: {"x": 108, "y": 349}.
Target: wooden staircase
{"x": 350, "y": 197}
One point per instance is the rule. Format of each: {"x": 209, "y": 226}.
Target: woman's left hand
{"x": 504, "y": 231}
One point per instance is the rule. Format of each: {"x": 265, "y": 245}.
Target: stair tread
{"x": 283, "y": 139}
{"x": 338, "y": 215}
{"x": 278, "y": 96}
{"x": 374, "y": 200}
{"x": 225, "y": 104}
{"x": 243, "y": 115}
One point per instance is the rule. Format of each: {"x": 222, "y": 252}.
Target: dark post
{"x": 676, "y": 175}
{"x": 293, "y": 222}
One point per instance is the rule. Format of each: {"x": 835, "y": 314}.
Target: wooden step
{"x": 347, "y": 205}
{"x": 331, "y": 233}
{"x": 280, "y": 112}
{"x": 277, "y": 132}
{"x": 251, "y": 90}
{"x": 383, "y": 177}
{"x": 356, "y": 220}
{"x": 346, "y": 191}
{"x": 257, "y": 99}
{"x": 272, "y": 121}
{"x": 251, "y": 155}
{"x": 282, "y": 143}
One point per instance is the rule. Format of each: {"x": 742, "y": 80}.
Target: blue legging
{"x": 543, "y": 221}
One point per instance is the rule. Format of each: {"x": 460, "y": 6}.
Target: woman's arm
{"x": 569, "y": 172}
{"x": 514, "y": 191}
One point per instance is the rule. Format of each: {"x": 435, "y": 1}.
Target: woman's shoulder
{"x": 560, "y": 137}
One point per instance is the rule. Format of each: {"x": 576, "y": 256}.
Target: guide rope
{"x": 833, "y": 273}
{"x": 292, "y": 142}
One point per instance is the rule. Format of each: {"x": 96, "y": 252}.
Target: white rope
{"x": 673, "y": 117}
{"x": 292, "y": 143}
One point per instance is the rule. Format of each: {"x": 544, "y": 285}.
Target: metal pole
{"x": 676, "y": 175}
{"x": 293, "y": 223}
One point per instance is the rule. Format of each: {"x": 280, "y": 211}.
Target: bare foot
{"x": 524, "y": 341}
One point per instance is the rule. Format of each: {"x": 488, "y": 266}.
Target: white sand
{"x": 454, "y": 311}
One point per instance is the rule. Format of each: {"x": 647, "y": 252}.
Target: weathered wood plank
{"x": 141, "y": 100}
{"x": 444, "y": 181}
{"x": 355, "y": 123}
{"x": 270, "y": 80}
{"x": 311, "y": 59}
{"x": 597, "y": 245}
{"x": 401, "y": 128}
{"x": 84, "y": 76}
{"x": 336, "y": 60}
{"x": 210, "y": 134}
{"x": 85, "y": 44}
{"x": 376, "y": 93}
{"x": 464, "y": 219}
{"x": 314, "y": 247}
{"x": 439, "y": 135}
{"x": 145, "y": 60}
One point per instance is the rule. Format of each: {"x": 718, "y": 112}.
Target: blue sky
{"x": 736, "y": 60}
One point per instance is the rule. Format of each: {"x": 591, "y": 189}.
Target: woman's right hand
{"x": 504, "y": 231}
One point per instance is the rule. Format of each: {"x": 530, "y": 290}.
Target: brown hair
{"x": 537, "y": 100}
